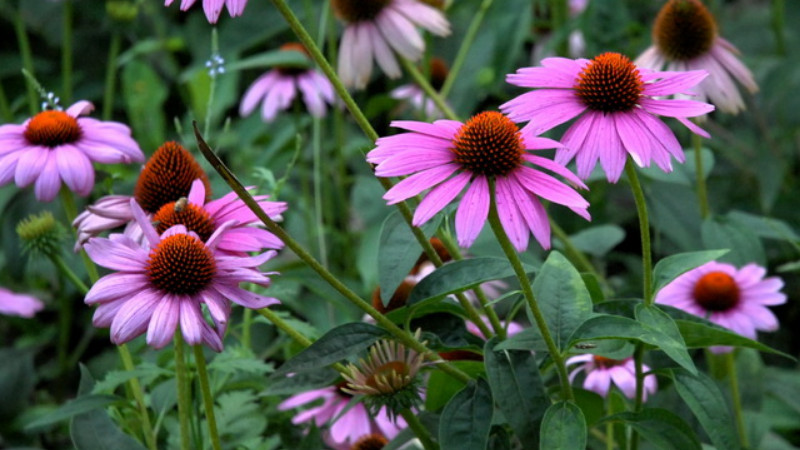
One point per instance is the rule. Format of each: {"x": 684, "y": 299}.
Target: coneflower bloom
{"x": 417, "y": 98}
{"x": 13, "y": 304}
{"x": 278, "y": 88}
{"x": 347, "y": 423}
{"x": 213, "y": 8}
{"x": 601, "y": 372}
{"x": 376, "y": 29}
{"x": 685, "y": 37}
{"x": 374, "y": 441}
{"x": 166, "y": 177}
{"x": 616, "y": 106}
{"x": 736, "y": 299}
{"x": 55, "y": 146}
{"x": 155, "y": 290}
{"x": 448, "y": 156}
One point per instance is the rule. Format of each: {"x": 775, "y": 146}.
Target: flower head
{"x": 733, "y": 298}
{"x": 55, "y": 146}
{"x": 447, "y": 156}
{"x": 601, "y": 371}
{"x": 40, "y": 234}
{"x": 377, "y": 28}
{"x": 166, "y": 177}
{"x": 374, "y": 441}
{"x": 348, "y": 422}
{"x": 213, "y": 8}
{"x": 154, "y": 290}
{"x": 616, "y": 105}
{"x": 12, "y": 304}
{"x": 278, "y": 87}
{"x": 685, "y": 37}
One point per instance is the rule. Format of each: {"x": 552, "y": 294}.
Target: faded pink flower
{"x": 213, "y": 8}
{"x": 13, "y": 304}
{"x": 616, "y": 105}
{"x": 736, "y": 299}
{"x": 55, "y": 146}
{"x": 601, "y": 372}
{"x": 154, "y": 290}
{"x": 377, "y": 29}
{"x": 685, "y": 37}
{"x": 448, "y": 156}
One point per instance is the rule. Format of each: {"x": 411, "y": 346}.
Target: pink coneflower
{"x": 446, "y": 156}
{"x": 166, "y": 177}
{"x": 213, "y": 8}
{"x": 13, "y": 304}
{"x": 600, "y": 372}
{"x": 60, "y": 145}
{"x": 617, "y": 107}
{"x": 736, "y": 299}
{"x": 278, "y": 88}
{"x": 155, "y": 290}
{"x": 417, "y": 98}
{"x": 511, "y": 328}
{"x": 685, "y": 38}
{"x": 350, "y": 423}
{"x": 376, "y": 29}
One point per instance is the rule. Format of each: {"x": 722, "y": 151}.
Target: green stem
{"x": 463, "y": 50}
{"x": 65, "y": 269}
{"x": 559, "y": 12}
{"x": 247, "y": 322}
{"x": 5, "y": 109}
{"x": 111, "y": 75}
{"x": 423, "y": 82}
{"x": 303, "y": 254}
{"x": 419, "y": 430}
{"x": 644, "y": 230}
{"x": 779, "y": 25}
{"x": 66, "y": 53}
{"x": 316, "y": 146}
{"x": 541, "y": 323}
{"x": 184, "y": 400}
{"x": 638, "y": 356}
{"x": 738, "y": 413}
{"x": 27, "y": 60}
{"x": 577, "y": 256}
{"x": 213, "y": 85}
{"x": 208, "y": 399}
{"x": 138, "y": 395}
{"x": 702, "y": 192}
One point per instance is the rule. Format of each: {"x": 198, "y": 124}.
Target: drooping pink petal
{"x": 164, "y": 321}
{"x": 439, "y": 197}
{"x": 472, "y": 212}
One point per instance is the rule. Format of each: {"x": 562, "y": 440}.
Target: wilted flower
{"x": 601, "y": 371}
{"x": 733, "y": 298}
{"x": 12, "y": 304}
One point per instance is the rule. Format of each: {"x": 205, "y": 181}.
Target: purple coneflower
{"x": 55, "y": 146}
{"x": 13, "y": 304}
{"x": 733, "y": 298}
{"x": 278, "y": 87}
{"x": 376, "y": 29}
{"x": 601, "y": 371}
{"x": 685, "y": 37}
{"x": 213, "y": 8}
{"x": 617, "y": 107}
{"x": 447, "y": 156}
{"x": 349, "y": 422}
{"x": 155, "y": 290}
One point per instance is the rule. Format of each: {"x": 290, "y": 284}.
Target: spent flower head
{"x": 40, "y": 234}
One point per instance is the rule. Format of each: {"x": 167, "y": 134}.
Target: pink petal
{"x": 418, "y": 182}
{"x": 472, "y": 211}
{"x": 439, "y": 197}
{"x": 163, "y": 322}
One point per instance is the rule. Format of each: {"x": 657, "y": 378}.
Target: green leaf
{"x": 517, "y": 389}
{"x": 528, "y": 339}
{"x": 457, "y": 276}
{"x": 662, "y": 428}
{"x": 333, "y": 346}
{"x": 300, "y": 382}
{"x": 598, "y": 240}
{"x": 708, "y": 404}
{"x": 764, "y": 227}
{"x": 673, "y": 266}
{"x": 563, "y": 298}
{"x": 467, "y": 418}
{"x": 745, "y": 246}
{"x": 398, "y": 251}
{"x": 697, "y": 334}
{"x": 563, "y": 427}
{"x": 17, "y": 380}
{"x": 271, "y": 59}
{"x": 73, "y": 407}
{"x": 684, "y": 174}
{"x": 144, "y": 371}
{"x": 674, "y": 346}
{"x": 442, "y": 387}
{"x": 145, "y": 93}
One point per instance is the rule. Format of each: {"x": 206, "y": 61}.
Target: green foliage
{"x": 467, "y": 418}
{"x": 563, "y": 427}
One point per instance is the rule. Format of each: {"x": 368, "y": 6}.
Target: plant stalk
{"x": 208, "y": 399}
{"x": 184, "y": 399}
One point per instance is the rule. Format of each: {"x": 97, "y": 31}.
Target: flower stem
{"x": 213, "y": 86}
{"x": 778, "y": 25}
{"x": 5, "y": 109}
{"x": 184, "y": 400}
{"x": 527, "y": 290}
{"x": 463, "y": 50}
{"x": 423, "y": 82}
{"x": 316, "y": 145}
{"x": 730, "y": 366}
{"x": 64, "y": 268}
{"x": 27, "y": 59}
{"x": 208, "y": 399}
{"x": 111, "y": 75}
{"x": 138, "y": 395}
{"x": 702, "y": 192}
{"x": 644, "y": 230}
{"x": 419, "y": 430}
{"x": 66, "y": 53}
{"x": 401, "y": 335}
